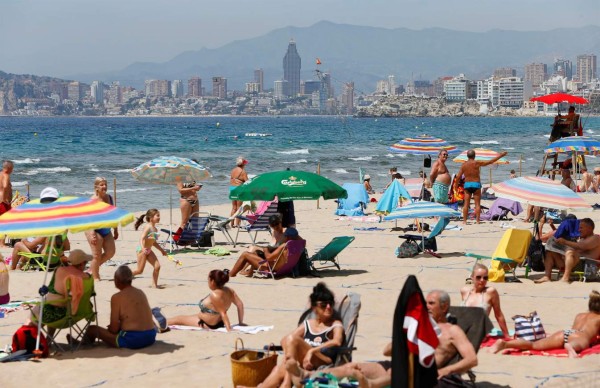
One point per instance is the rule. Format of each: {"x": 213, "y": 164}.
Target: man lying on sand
{"x": 586, "y": 328}
{"x": 588, "y": 246}
{"x": 379, "y": 374}
{"x": 131, "y": 325}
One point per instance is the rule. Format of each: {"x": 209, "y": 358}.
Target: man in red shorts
{"x": 5, "y": 189}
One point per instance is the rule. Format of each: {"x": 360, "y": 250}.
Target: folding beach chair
{"x": 428, "y": 244}
{"x": 195, "y": 233}
{"x": 260, "y": 224}
{"x": 39, "y": 261}
{"x": 510, "y": 252}
{"x": 356, "y": 203}
{"x": 86, "y": 312}
{"x": 330, "y": 253}
{"x": 285, "y": 262}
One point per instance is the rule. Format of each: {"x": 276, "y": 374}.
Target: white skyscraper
{"x": 97, "y": 92}
{"x": 177, "y": 88}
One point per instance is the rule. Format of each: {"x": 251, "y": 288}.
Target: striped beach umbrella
{"x": 170, "y": 170}
{"x": 423, "y": 145}
{"x": 539, "y": 191}
{"x": 481, "y": 154}
{"x": 579, "y": 144}
{"x": 73, "y": 214}
{"x": 422, "y": 209}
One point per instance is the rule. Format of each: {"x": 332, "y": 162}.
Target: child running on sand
{"x": 147, "y": 241}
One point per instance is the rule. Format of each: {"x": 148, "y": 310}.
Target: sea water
{"x": 68, "y": 153}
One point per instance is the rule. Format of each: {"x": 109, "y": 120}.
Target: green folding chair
{"x": 330, "y": 252}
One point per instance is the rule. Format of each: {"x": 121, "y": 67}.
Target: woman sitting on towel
{"x": 480, "y": 295}
{"x": 214, "y": 306}
{"x": 312, "y": 344}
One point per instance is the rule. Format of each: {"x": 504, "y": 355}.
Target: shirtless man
{"x": 379, "y": 374}
{"x": 583, "y": 333}
{"x": 6, "y": 193}
{"x": 131, "y": 325}
{"x": 586, "y": 181}
{"x": 470, "y": 169}
{"x": 440, "y": 178}
{"x": 567, "y": 180}
{"x": 588, "y": 246}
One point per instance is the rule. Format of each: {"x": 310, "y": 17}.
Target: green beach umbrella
{"x": 287, "y": 186}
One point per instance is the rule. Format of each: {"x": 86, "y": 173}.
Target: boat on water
{"x": 257, "y": 134}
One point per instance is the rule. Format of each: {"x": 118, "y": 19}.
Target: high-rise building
{"x": 348, "y": 98}
{"x": 158, "y": 88}
{"x": 504, "y": 72}
{"x": 586, "y": 68}
{"x": 536, "y": 73}
{"x": 177, "y": 88}
{"x": 280, "y": 89}
{"x": 195, "y": 87}
{"x": 75, "y": 91}
{"x": 308, "y": 87}
{"x": 391, "y": 84}
{"x": 259, "y": 76}
{"x": 252, "y": 87}
{"x": 563, "y": 67}
{"x": 97, "y": 92}
{"x": 115, "y": 95}
{"x": 219, "y": 87}
{"x": 291, "y": 69}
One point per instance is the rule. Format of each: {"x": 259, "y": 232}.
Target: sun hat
{"x": 367, "y": 177}
{"x": 291, "y": 232}
{"x": 49, "y": 194}
{"x": 77, "y": 256}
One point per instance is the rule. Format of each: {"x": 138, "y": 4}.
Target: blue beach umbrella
{"x": 579, "y": 144}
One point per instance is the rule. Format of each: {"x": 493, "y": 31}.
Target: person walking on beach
{"x": 580, "y": 336}
{"x": 102, "y": 241}
{"x": 470, "y": 169}
{"x": 148, "y": 239}
{"x": 131, "y": 324}
{"x": 440, "y": 178}
{"x": 5, "y": 190}
{"x": 237, "y": 178}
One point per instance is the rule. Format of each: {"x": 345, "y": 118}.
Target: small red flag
{"x": 318, "y": 61}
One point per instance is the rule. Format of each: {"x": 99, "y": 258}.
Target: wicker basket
{"x": 251, "y": 367}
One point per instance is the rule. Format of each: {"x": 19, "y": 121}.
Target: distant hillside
{"x": 24, "y": 86}
{"x": 366, "y": 54}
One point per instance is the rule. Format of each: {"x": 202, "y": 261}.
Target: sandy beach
{"x": 369, "y": 268}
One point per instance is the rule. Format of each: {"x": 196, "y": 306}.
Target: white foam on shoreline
{"x": 484, "y": 142}
{"x": 47, "y": 170}
{"x": 508, "y": 148}
{"x": 303, "y": 151}
{"x": 340, "y": 171}
{"x": 297, "y": 161}
{"x": 26, "y": 161}
{"x": 19, "y": 184}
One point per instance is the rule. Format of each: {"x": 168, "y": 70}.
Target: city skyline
{"x": 92, "y": 40}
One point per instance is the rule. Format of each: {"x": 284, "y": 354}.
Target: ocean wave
{"x": 118, "y": 191}
{"x": 484, "y": 142}
{"x": 297, "y": 161}
{"x": 389, "y": 155}
{"x": 94, "y": 170}
{"x": 404, "y": 172}
{"x": 26, "y": 161}
{"x": 362, "y": 158}
{"x": 47, "y": 170}
{"x": 19, "y": 184}
{"x": 340, "y": 171}
{"x": 303, "y": 151}
{"x": 508, "y": 148}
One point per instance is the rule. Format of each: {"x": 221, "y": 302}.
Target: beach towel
{"x": 360, "y": 219}
{"x": 489, "y": 341}
{"x": 236, "y": 328}
{"x": 218, "y": 251}
{"x": 372, "y": 228}
{"x": 76, "y": 282}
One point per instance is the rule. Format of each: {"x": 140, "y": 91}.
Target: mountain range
{"x": 365, "y": 55}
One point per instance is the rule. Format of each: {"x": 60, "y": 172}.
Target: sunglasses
{"x": 479, "y": 277}
{"x": 444, "y": 154}
{"x": 324, "y": 304}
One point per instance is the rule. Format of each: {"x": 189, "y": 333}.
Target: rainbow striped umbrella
{"x": 423, "y": 145}
{"x": 539, "y": 191}
{"x": 580, "y": 144}
{"x": 481, "y": 154}
{"x": 73, "y": 214}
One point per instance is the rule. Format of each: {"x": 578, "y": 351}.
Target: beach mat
{"x": 236, "y": 328}
{"x": 489, "y": 341}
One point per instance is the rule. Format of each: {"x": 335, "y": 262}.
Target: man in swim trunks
{"x": 131, "y": 325}
{"x": 440, "y": 178}
{"x": 5, "y": 190}
{"x": 581, "y": 336}
{"x": 470, "y": 169}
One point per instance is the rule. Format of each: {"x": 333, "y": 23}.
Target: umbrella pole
{"x": 521, "y": 165}
{"x": 170, "y": 219}
{"x": 43, "y": 292}
{"x": 318, "y": 173}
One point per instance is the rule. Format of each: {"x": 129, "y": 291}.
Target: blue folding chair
{"x": 195, "y": 233}
{"x": 260, "y": 224}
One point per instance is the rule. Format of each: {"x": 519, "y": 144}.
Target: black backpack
{"x": 303, "y": 268}
{"x": 536, "y": 252}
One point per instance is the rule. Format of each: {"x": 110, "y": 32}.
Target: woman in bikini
{"x": 480, "y": 295}
{"x": 214, "y": 306}
{"x": 148, "y": 239}
{"x": 102, "y": 241}
{"x": 237, "y": 178}
{"x": 305, "y": 343}
{"x": 188, "y": 203}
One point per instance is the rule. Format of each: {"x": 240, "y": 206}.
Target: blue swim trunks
{"x": 136, "y": 339}
{"x": 472, "y": 187}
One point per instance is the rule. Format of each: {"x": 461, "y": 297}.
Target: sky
{"x": 66, "y": 37}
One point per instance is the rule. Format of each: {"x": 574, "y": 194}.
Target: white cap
{"x": 367, "y": 177}
{"x": 49, "y": 194}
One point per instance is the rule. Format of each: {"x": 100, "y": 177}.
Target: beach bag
{"x": 303, "y": 267}
{"x": 207, "y": 239}
{"x": 25, "y": 338}
{"x": 250, "y": 367}
{"x": 407, "y": 249}
{"x": 536, "y": 252}
{"x": 529, "y": 327}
